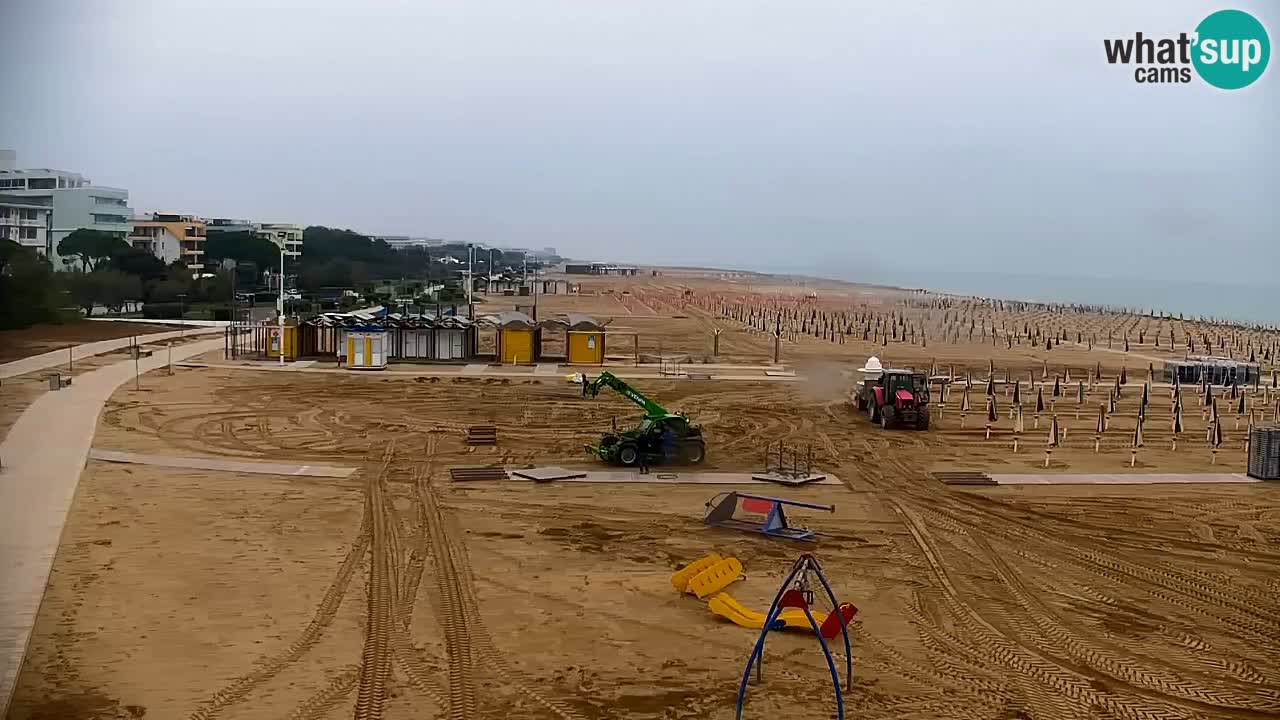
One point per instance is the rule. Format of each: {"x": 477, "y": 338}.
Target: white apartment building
{"x": 156, "y": 239}
{"x": 154, "y": 231}
{"x": 26, "y": 220}
{"x": 73, "y": 203}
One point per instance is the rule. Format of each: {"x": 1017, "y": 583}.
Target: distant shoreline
{"x": 1144, "y": 296}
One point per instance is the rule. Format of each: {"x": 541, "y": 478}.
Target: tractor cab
{"x": 892, "y": 397}
{"x": 905, "y": 387}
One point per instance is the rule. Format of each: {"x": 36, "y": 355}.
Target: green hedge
{"x": 162, "y": 311}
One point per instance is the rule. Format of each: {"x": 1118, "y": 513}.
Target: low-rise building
{"x": 400, "y": 242}
{"x": 156, "y": 239}
{"x": 188, "y": 230}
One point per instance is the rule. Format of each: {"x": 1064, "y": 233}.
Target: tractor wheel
{"x": 862, "y": 403}
{"x": 873, "y": 413}
{"x": 629, "y": 455}
{"x": 694, "y": 453}
{"x": 886, "y": 418}
{"x": 923, "y": 422}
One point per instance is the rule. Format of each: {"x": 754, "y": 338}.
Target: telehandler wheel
{"x": 629, "y": 455}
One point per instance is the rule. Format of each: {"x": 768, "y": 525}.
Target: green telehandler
{"x": 662, "y": 437}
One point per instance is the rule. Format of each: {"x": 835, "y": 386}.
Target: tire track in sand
{"x": 270, "y": 666}
{"x": 452, "y": 560}
{"x": 375, "y": 661}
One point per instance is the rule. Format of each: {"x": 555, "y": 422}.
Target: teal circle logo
{"x": 1231, "y": 49}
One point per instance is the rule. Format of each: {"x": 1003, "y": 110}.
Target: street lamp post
{"x": 280, "y": 301}
{"x": 471, "y": 261}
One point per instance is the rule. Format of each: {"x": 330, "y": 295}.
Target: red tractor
{"x": 895, "y": 398}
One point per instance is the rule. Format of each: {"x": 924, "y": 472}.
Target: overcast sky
{"x": 919, "y": 135}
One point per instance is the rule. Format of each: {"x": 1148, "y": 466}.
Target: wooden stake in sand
{"x": 1079, "y": 398}
{"x": 964, "y": 406}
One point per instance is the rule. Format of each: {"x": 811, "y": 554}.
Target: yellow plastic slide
{"x": 680, "y": 580}
{"x": 716, "y": 578}
{"x": 724, "y": 605}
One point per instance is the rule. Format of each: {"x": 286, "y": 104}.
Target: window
{"x": 27, "y": 233}
{"x": 42, "y": 184}
{"x": 28, "y": 214}
{"x": 62, "y": 182}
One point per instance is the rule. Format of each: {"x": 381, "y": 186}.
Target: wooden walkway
{"x": 222, "y": 464}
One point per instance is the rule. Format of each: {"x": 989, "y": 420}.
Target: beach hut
{"x": 366, "y": 347}
{"x": 585, "y": 343}
{"x": 453, "y": 338}
{"x": 519, "y": 337}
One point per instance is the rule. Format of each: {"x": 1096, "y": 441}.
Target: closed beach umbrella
{"x": 1057, "y": 387}
{"x": 1018, "y": 424}
{"x": 1101, "y": 427}
{"x": 1137, "y": 434}
{"x": 1039, "y": 400}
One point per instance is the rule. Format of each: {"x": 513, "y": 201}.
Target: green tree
{"x": 115, "y": 288}
{"x": 90, "y": 246}
{"x": 137, "y": 261}
{"x": 241, "y": 246}
{"x": 83, "y": 288}
{"x": 28, "y": 292}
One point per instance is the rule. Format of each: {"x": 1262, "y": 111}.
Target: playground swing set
{"x": 797, "y": 592}
{"x": 793, "y": 607}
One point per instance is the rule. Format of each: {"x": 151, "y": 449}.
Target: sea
{"x": 1245, "y": 303}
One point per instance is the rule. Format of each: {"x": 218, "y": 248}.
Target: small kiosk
{"x": 286, "y": 342}
{"x": 366, "y": 347}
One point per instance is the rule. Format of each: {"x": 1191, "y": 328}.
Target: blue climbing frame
{"x": 796, "y": 585}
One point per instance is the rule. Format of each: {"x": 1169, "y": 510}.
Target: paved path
{"x": 679, "y": 477}
{"x": 476, "y": 370}
{"x": 1121, "y": 478}
{"x": 42, "y": 459}
{"x": 224, "y": 464}
{"x": 56, "y": 358}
